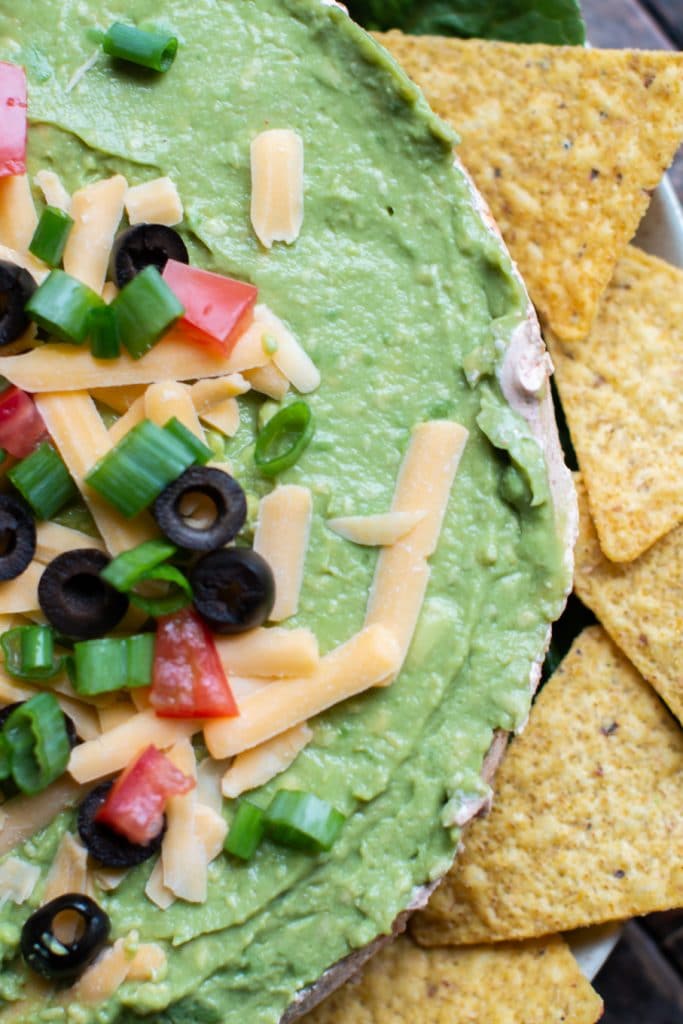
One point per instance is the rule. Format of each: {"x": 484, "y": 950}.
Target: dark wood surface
{"x": 642, "y": 982}
{"x": 650, "y": 25}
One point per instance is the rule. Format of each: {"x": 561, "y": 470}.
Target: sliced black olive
{"x": 75, "y": 599}
{"x": 17, "y": 536}
{"x": 224, "y": 493}
{"x": 234, "y": 589}
{"x": 106, "y": 845}
{"x": 46, "y": 953}
{"x": 16, "y": 288}
{"x": 145, "y": 245}
{"x": 71, "y": 733}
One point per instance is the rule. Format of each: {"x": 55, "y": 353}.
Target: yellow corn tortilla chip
{"x": 639, "y": 604}
{"x": 587, "y": 826}
{"x": 622, "y": 393}
{"x": 564, "y": 143}
{"x": 535, "y": 982}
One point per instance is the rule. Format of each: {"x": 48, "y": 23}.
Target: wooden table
{"x": 643, "y": 979}
{"x": 646, "y": 25}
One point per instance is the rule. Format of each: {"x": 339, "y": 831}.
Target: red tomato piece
{"x": 135, "y": 806}
{"x": 188, "y": 679}
{"x": 13, "y": 106}
{"x": 217, "y": 309}
{"x": 21, "y": 425}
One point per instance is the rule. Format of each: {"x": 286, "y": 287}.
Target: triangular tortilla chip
{"x": 535, "y": 982}
{"x": 622, "y": 394}
{"x": 564, "y": 143}
{"x": 587, "y": 825}
{"x": 639, "y": 604}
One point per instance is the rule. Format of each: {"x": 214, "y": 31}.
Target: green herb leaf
{"x": 518, "y": 21}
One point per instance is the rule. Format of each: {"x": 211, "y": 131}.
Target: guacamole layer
{"x": 395, "y": 288}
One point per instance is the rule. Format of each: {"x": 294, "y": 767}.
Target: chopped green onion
{"x": 284, "y": 438}
{"x": 37, "y": 645}
{"x": 124, "y": 571}
{"x": 62, "y": 306}
{"x": 201, "y": 453}
{"x": 140, "y": 656}
{"x": 179, "y": 595}
{"x": 302, "y": 820}
{"x": 38, "y": 744}
{"x": 246, "y": 831}
{"x": 103, "y": 328}
{"x": 100, "y": 666}
{"x": 145, "y": 309}
{"x": 113, "y": 663}
{"x": 137, "y": 469}
{"x": 50, "y": 237}
{"x": 44, "y": 481}
{"x": 29, "y": 652}
{"x": 153, "y": 50}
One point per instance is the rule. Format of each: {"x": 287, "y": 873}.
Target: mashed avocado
{"x": 393, "y": 287}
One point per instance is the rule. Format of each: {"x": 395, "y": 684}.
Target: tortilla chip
{"x": 622, "y": 394}
{"x": 564, "y": 143}
{"x": 639, "y": 604}
{"x": 588, "y": 821}
{"x": 535, "y": 982}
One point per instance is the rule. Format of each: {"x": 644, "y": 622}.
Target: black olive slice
{"x": 234, "y": 589}
{"x": 16, "y": 288}
{"x": 105, "y": 844}
{"x": 46, "y": 953}
{"x": 75, "y": 599}
{"x": 17, "y": 537}
{"x": 71, "y": 733}
{"x": 224, "y": 493}
{"x": 145, "y": 245}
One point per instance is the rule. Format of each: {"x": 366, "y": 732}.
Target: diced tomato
{"x": 13, "y": 106}
{"x": 217, "y": 309}
{"x": 21, "y": 425}
{"x": 188, "y": 679}
{"x": 135, "y": 806}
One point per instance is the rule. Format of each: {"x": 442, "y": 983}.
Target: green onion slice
{"x": 145, "y": 309}
{"x": 38, "y": 744}
{"x": 103, "y": 328}
{"x": 140, "y": 659}
{"x": 179, "y": 594}
{"x": 303, "y": 821}
{"x": 44, "y": 481}
{"x": 50, "y": 237}
{"x": 153, "y": 50}
{"x": 284, "y": 438}
{"x": 112, "y": 663}
{"x": 30, "y": 653}
{"x": 246, "y": 831}
{"x": 137, "y": 469}
{"x": 201, "y": 453}
{"x": 124, "y": 571}
{"x": 62, "y": 306}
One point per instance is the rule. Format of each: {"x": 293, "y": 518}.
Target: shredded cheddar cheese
{"x": 96, "y": 210}
{"x": 154, "y": 202}
{"x": 277, "y": 186}
{"x": 261, "y": 764}
{"x": 367, "y": 659}
{"x": 424, "y": 484}
{"x": 281, "y": 537}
